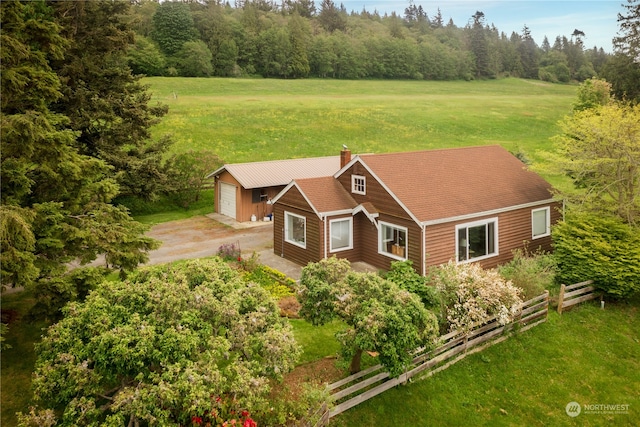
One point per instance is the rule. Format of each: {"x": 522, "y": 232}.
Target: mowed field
{"x": 246, "y": 120}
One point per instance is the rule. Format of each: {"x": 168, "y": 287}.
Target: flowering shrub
{"x": 229, "y": 252}
{"x": 224, "y": 413}
{"x": 153, "y": 349}
{"x": 471, "y": 295}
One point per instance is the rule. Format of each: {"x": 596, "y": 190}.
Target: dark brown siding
{"x": 369, "y": 243}
{"x": 390, "y": 211}
{"x": 514, "y": 232}
{"x": 376, "y": 194}
{"x": 352, "y": 255}
{"x": 293, "y": 202}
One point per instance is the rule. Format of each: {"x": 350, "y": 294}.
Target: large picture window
{"x": 341, "y": 234}
{"x": 540, "y": 222}
{"x": 295, "y": 229}
{"x": 477, "y": 240}
{"x": 393, "y": 240}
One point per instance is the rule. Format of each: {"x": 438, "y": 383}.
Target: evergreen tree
{"x": 528, "y": 54}
{"x": 623, "y": 70}
{"x": 55, "y": 199}
{"x": 628, "y": 43}
{"x": 108, "y": 107}
{"x": 304, "y": 8}
{"x": 479, "y": 46}
{"x": 330, "y": 17}
{"x": 546, "y": 47}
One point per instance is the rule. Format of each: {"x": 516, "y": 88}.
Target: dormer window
{"x": 358, "y": 184}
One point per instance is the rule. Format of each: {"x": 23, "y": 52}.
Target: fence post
{"x": 546, "y": 298}
{"x": 560, "y": 299}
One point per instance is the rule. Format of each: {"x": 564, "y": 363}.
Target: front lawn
{"x": 587, "y": 355}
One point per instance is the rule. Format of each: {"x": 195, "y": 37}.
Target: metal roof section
{"x": 280, "y": 172}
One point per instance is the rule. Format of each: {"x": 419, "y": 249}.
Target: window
{"x": 393, "y": 240}
{"x": 540, "y": 222}
{"x": 358, "y": 184}
{"x": 341, "y": 235}
{"x": 477, "y": 240}
{"x": 295, "y": 229}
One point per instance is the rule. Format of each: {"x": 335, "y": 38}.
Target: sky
{"x": 597, "y": 19}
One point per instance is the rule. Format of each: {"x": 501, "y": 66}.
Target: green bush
{"x": 275, "y": 282}
{"x": 402, "y": 274}
{"x": 533, "y": 273}
{"x": 603, "y": 249}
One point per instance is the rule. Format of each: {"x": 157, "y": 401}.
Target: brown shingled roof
{"x": 447, "y": 183}
{"x": 326, "y": 194}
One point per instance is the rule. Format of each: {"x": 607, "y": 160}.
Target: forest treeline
{"x": 297, "y": 39}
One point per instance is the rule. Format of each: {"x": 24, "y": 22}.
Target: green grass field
{"x": 257, "y": 119}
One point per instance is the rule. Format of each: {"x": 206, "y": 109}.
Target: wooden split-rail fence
{"x": 452, "y": 348}
{"x": 576, "y": 293}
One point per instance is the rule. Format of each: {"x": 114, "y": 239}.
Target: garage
{"x": 243, "y": 189}
{"x": 227, "y": 200}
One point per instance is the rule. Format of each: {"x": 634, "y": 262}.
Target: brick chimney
{"x": 345, "y": 156}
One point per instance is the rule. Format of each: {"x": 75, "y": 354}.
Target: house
{"x": 474, "y": 204}
{"x": 243, "y": 190}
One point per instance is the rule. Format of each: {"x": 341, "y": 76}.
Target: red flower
{"x": 249, "y": 423}
{"x": 245, "y": 414}
{"x": 196, "y": 420}
{"x": 239, "y": 259}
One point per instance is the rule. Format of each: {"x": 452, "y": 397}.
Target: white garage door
{"x": 228, "y": 200}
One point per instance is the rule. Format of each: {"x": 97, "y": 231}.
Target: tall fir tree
{"x": 479, "y": 45}
{"x": 108, "y": 106}
{"x": 55, "y": 200}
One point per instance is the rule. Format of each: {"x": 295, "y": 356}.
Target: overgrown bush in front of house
{"x": 599, "y": 248}
{"x": 533, "y": 273}
{"x": 402, "y": 274}
{"x": 471, "y": 295}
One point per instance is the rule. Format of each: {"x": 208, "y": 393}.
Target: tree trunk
{"x": 355, "y": 362}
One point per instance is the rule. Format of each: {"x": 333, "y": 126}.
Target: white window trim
{"x": 354, "y": 186}
{"x": 380, "y": 241}
{"x": 346, "y": 248}
{"x": 548, "y": 224}
{"x": 286, "y": 230}
{"x": 476, "y": 224}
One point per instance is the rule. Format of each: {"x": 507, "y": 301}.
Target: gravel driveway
{"x": 202, "y": 236}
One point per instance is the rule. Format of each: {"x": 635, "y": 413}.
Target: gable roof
{"x": 324, "y": 195}
{"x": 280, "y": 172}
{"x": 449, "y": 183}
